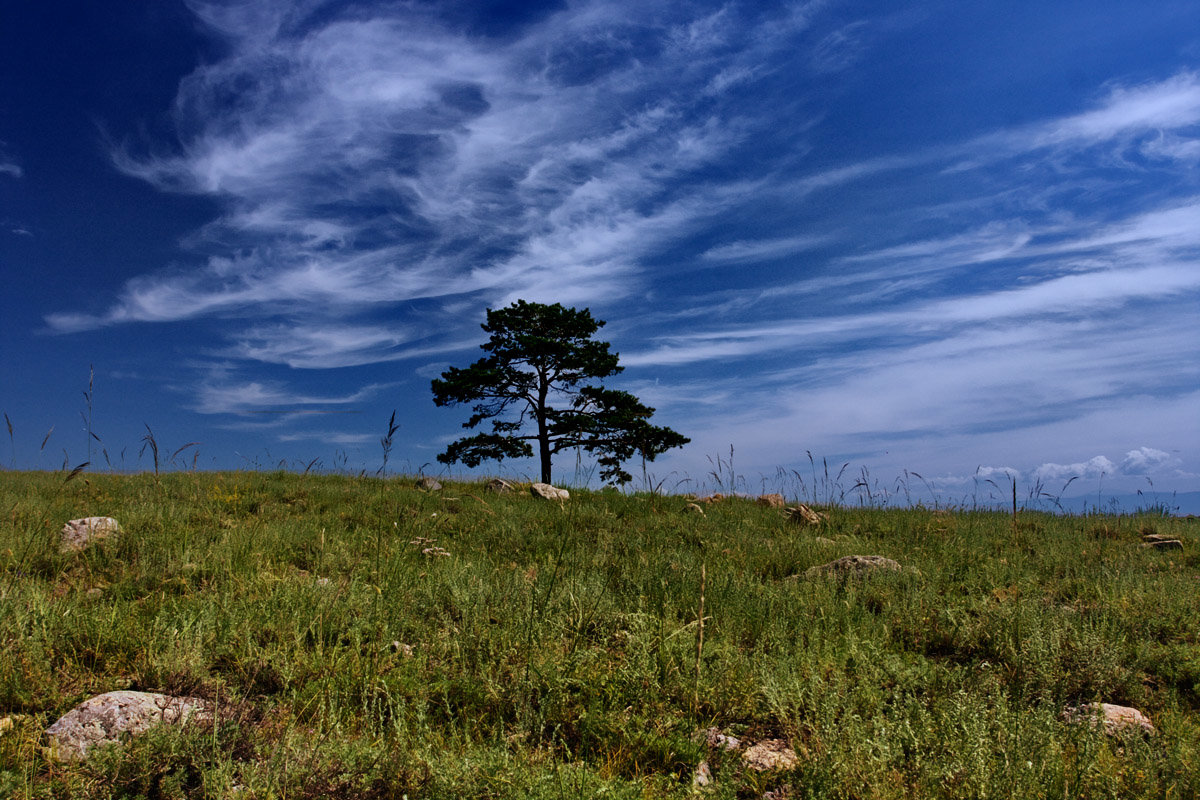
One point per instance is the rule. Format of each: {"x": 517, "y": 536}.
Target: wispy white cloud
{"x": 380, "y": 158}
{"x": 763, "y": 249}
{"x": 317, "y": 344}
{"x": 9, "y": 165}
{"x": 840, "y": 48}
{"x": 330, "y": 437}
{"x": 1071, "y": 296}
{"x": 251, "y": 397}
{"x": 1167, "y": 105}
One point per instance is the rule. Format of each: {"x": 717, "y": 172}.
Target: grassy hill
{"x": 363, "y": 638}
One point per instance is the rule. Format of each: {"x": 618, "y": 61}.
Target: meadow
{"x": 363, "y": 638}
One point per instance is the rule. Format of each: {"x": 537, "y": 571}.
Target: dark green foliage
{"x": 539, "y": 357}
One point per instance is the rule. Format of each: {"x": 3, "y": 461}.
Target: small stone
{"x": 714, "y": 738}
{"x": 805, "y": 515}
{"x": 103, "y": 719}
{"x": 853, "y": 565}
{"x": 715, "y": 497}
{"x": 322, "y": 581}
{"x": 770, "y": 500}
{"x": 428, "y": 484}
{"x": 79, "y": 533}
{"x": 770, "y": 754}
{"x": 403, "y": 649}
{"x": 548, "y": 492}
{"x": 824, "y": 541}
{"x": 95, "y": 592}
{"x": 498, "y": 486}
{"x": 703, "y": 776}
{"x": 1115, "y": 719}
{"x": 693, "y": 508}
{"x": 1163, "y": 544}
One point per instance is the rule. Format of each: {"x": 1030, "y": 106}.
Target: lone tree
{"x": 530, "y": 380}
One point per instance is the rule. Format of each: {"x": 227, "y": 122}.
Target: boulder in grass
{"x": 1159, "y": 543}
{"x": 770, "y": 755}
{"x": 498, "y": 486}
{"x": 805, "y": 515}
{"x": 428, "y": 484}
{"x": 853, "y": 566}
{"x": 716, "y": 739}
{"x": 770, "y": 500}
{"x": 1115, "y": 719}
{"x": 548, "y": 492}
{"x": 106, "y": 718}
{"x": 79, "y": 533}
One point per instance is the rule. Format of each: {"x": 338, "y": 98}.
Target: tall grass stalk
{"x": 11, "y": 442}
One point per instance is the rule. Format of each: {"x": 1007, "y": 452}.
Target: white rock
{"x": 548, "y": 492}
{"x": 1115, "y": 719}
{"x": 770, "y": 500}
{"x": 806, "y": 516}
{"x": 79, "y": 533}
{"x": 770, "y": 754}
{"x": 714, "y": 738}
{"x": 104, "y": 718}
{"x": 1163, "y": 544}
{"x": 854, "y": 565}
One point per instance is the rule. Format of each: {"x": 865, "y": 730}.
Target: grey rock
{"x": 1163, "y": 544}
{"x": 79, "y": 533}
{"x": 770, "y": 500}
{"x": 853, "y": 565}
{"x": 805, "y": 515}
{"x": 428, "y": 484}
{"x": 769, "y": 755}
{"x": 714, "y": 738}
{"x": 703, "y": 776}
{"x": 1115, "y": 719}
{"x": 693, "y": 508}
{"x": 498, "y": 486}
{"x": 548, "y": 492}
{"x": 103, "y": 720}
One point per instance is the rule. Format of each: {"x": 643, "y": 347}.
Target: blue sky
{"x": 958, "y": 239}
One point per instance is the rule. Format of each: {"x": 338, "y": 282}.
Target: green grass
{"x": 554, "y": 649}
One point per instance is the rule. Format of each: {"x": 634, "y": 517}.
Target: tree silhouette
{"x": 529, "y": 387}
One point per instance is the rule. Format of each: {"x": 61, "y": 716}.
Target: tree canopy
{"x": 532, "y": 387}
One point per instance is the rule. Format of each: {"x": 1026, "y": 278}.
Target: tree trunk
{"x": 543, "y": 430}
{"x": 544, "y": 447}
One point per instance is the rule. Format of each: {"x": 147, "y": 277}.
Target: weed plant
{"x": 364, "y": 639}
